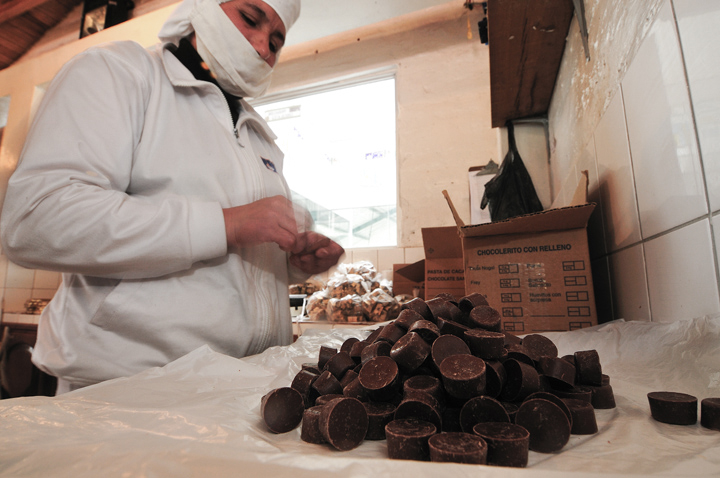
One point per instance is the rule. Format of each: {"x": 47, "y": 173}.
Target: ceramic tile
{"x": 414, "y": 254}
{"x": 19, "y": 277}
{"x": 595, "y": 229}
{"x": 682, "y": 282}
{"x": 629, "y": 284}
{"x": 665, "y": 158}
{"x": 46, "y": 280}
{"x": 15, "y": 299}
{"x": 602, "y": 290}
{"x": 370, "y": 255}
{"x": 387, "y": 257}
{"x": 699, "y": 34}
{"x": 43, "y": 293}
{"x": 615, "y": 173}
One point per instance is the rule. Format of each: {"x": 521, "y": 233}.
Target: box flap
{"x": 414, "y": 272}
{"x": 560, "y": 219}
{"x": 442, "y": 242}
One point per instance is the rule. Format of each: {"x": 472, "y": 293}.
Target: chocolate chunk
{"x": 559, "y": 372}
{"x": 419, "y": 306}
{"x": 376, "y": 349}
{"x": 548, "y": 425}
{"x": 458, "y": 447}
{"x": 485, "y": 317}
{"x": 325, "y": 399}
{"x": 324, "y": 355}
{"x": 511, "y": 409}
{"x": 486, "y": 344}
{"x": 480, "y": 410}
{"x": 379, "y": 376}
{"x": 282, "y": 409}
{"x": 424, "y": 384}
{"x": 441, "y": 308}
{"x": 446, "y": 346}
{"x": 379, "y": 415}
{"x": 578, "y": 392}
{"x": 447, "y": 296}
{"x": 344, "y": 423}
{"x": 673, "y": 407}
{"x": 356, "y": 350}
{"x": 602, "y": 397}
{"x": 539, "y": 346}
{"x": 311, "y": 367}
{"x": 348, "y": 377}
{"x": 410, "y": 351}
{"x": 348, "y": 344}
{"x": 508, "y": 443}
{"x": 303, "y": 384}
{"x": 495, "y": 377}
{"x": 560, "y": 402}
{"x": 589, "y": 370}
{"x": 339, "y": 363}
{"x": 355, "y": 390}
{"x": 463, "y": 376}
{"x": 710, "y": 413}
{"x": 583, "y": 417}
{"x": 420, "y": 406}
{"x": 407, "y": 439}
{"x": 310, "y": 430}
{"x": 407, "y": 318}
{"x": 470, "y": 301}
{"x": 520, "y": 353}
{"x": 391, "y": 333}
{"x": 521, "y": 381}
{"x": 374, "y": 334}
{"x": 450, "y": 327}
{"x": 425, "y": 329}
{"x": 326, "y": 383}
{"x": 511, "y": 339}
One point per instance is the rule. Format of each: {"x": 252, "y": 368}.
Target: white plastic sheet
{"x": 199, "y": 416}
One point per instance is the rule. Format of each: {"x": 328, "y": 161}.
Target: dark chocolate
{"x": 326, "y": 384}
{"x": 376, "y": 349}
{"x": 344, "y": 423}
{"x": 480, "y": 410}
{"x": 407, "y": 439}
{"x": 539, "y": 346}
{"x": 310, "y": 430}
{"x": 379, "y": 376}
{"x": 407, "y": 318}
{"x": 602, "y": 397}
{"x": 673, "y": 407}
{"x": 355, "y": 390}
{"x": 419, "y": 306}
{"x": 348, "y": 344}
{"x": 391, "y": 333}
{"x": 486, "y": 344}
{"x": 410, "y": 351}
{"x": 425, "y": 329}
{"x": 710, "y": 413}
{"x": 447, "y": 326}
{"x": 508, "y": 443}
{"x": 339, "y": 363}
{"x": 420, "y": 406}
{"x": 356, "y": 350}
{"x": 520, "y": 353}
{"x": 485, "y": 317}
{"x": 560, "y": 402}
{"x": 583, "y": 417}
{"x": 324, "y": 399}
{"x": 589, "y": 370}
{"x": 548, "y": 425}
{"x": 522, "y": 380}
{"x": 425, "y": 384}
{"x": 444, "y": 309}
{"x": 495, "y": 377}
{"x": 463, "y": 376}
{"x": 324, "y": 355}
{"x": 446, "y": 346}
{"x": 458, "y": 447}
{"x": 470, "y": 301}
{"x": 303, "y": 383}
{"x": 282, "y": 409}
{"x": 379, "y": 415}
{"x": 348, "y": 377}
{"x": 559, "y": 372}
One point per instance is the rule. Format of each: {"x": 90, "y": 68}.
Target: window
{"x": 339, "y": 145}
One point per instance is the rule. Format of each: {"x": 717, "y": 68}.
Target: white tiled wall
{"x": 657, "y": 158}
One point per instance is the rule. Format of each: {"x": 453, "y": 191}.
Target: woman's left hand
{"x": 318, "y": 254}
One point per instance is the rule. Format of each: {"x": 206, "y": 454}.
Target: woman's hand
{"x": 318, "y": 253}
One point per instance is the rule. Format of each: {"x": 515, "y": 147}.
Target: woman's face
{"x": 259, "y": 23}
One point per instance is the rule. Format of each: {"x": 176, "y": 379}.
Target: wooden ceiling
{"x": 23, "y": 22}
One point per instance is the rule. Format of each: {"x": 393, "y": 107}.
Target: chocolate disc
{"x": 548, "y": 425}
{"x": 485, "y": 317}
{"x": 344, "y": 423}
{"x": 446, "y": 346}
{"x": 410, "y": 351}
{"x": 379, "y": 415}
{"x": 539, "y": 346}
{"x": 673, "y": 407}
{"x": 485, "y": 344}
{"x": 602, "y": 397}
{"x": 324, "y": 355}
{"x": 420, "y": 406}
{"x": 583, "y": 417}
{"x": 495, "y": 377}
{"x": 589, "y": 370}
{"x": 407, "y": 439}
{"x": 326, "y": 384}
{"x": 463, "y": 376}
{"x": 710, "y": 413}
{"x": 508, "y": 443}
{"x": 348, "y": 344}
{"x": 560, "y": 402}
{"x": 282, "y": 409}
{"x": 407, "y": 318}
{"x": 356, "y": 350}
{"x": 391, "y": 333}
{"x": 458, "y": 447}
{"x": 425, "y": 329}
{"x": 310, "y": 431}
{"x": 379, "y": 376}
{"x": 447, "y": 326}
{"x": 470, "y": 301}
{"x": 325, "y": 399}
{"x": 444, "y": 309}
{"x": 480, "y": 410}
{"x": 559, "y": 372}
{"x": 425, "y": 384}
{"x": 419, "y": 306}
{"x": 339, "y": 363}
{"x": 376, "y": 349}
{"x": 355, "y": 390}
{"x": 521, "y": 381}
{"x": 303, "y": 383}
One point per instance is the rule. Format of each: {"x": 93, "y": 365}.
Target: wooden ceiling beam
{"x": 14, "y": 8}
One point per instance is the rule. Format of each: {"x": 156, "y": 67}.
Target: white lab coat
{"x": 121, "y": 186}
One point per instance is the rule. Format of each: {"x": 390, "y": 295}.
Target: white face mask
{"x": 238, "y": 67}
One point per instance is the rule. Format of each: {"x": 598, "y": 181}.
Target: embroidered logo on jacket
{"x": 269, "y": 164}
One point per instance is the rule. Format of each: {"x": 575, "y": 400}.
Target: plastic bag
{"x": 316, "y": 305}
{"x": 511, "y": 193}
{"x": 379, "y": 306}
{"x": 345, "y": 309}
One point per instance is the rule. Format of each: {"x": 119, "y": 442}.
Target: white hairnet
{"x": 178, "y": 25}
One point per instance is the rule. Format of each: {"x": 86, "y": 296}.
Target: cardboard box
{"x": 409, "y": 279}
{"x": 534, "y": 269}
{"x": 444, "y": 270}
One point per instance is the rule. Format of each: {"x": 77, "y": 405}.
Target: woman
{"x": 158, "y": 192}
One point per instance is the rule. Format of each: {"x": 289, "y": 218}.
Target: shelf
{"x": 526, "y": 40}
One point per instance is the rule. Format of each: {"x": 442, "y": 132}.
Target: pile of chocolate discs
{"x": 443, "y": 383}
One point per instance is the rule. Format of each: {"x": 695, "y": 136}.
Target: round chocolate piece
{"x": 578, "y": 392}
{"x": 303, "y": 383}
{"x": 324, "y": 355}
{"x": 407, "y": 318}
{"x": 407, "y": 439}
{"x": 521, "y": 381}
{"x": 344, "y": 423}
{"x": 446, "y": 346}
{"x": 710, "y": 413}
{"x": 508, "y": 444}
{"x": 282, "y": 409}
{"x": 391, "y": 333}
{"x": 583, "y": 417}
{"x": 419, "y": 306}
{"x": 602, "y": 397}
{"x": 374, "y": 334}
{"x": 356, "y": 350}
{"x": 339, "y": 363}
{"x": 355, "y": 390}
{"x": 470, "y": 301}
{"x": 447, "y": 326}
{"x": 673, "y": 407}
{"x": 589, "y": 370}
{"x": 458, "y": 447}
{"x": 326, "y": 384}
{"x": 485, "y": 317}
{"x": 410, "y": 351}
{"x": 379, "y": 376}
{"x": 311, "y": 367}
{"x": 539, "y": 346}
{"x": 379, "y": 415}
{"x": 559, "y": 372}
{"x": 425, "y": 329}
{"x": 424, "y": 384}
{"x": 463, "y": 376}
{"x": 420, "y": 406}
{"x": 495, "y": 377}
{"x": 375, "y": 349}
{"x": 325, "y": 399}
{"x": 310, "y": 430}
{"x": 485, "y": 344}
{"x": 347, "y": 378}
{"x": 348, "y": 344}
{"x": 481, "y": 410}
{"x": 520, "y": 353}
{"x": 444, "y": 309}
{"x": 548, "y": 425}
{"x": 560, "y": 402}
